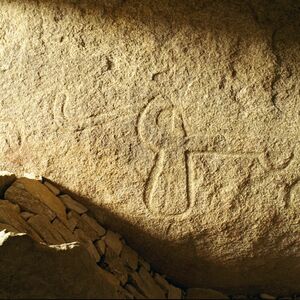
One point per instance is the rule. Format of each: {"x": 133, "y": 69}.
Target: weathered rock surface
{"x": 30, "y": 270}
{"x": 178, "y": 119}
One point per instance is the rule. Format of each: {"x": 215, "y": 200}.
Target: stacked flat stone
{"x": 38, "y": 208}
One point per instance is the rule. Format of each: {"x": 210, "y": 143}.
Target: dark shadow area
{"x": 164, "y": 18}
{"x": 30, "y": 270}
{"x": 251, "y": 276}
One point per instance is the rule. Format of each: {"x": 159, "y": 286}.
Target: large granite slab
{"x": 178, "y": 120}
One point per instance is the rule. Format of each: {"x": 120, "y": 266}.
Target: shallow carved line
{"x": 59, "y": 113}
{"x": 152, "y": 180}
{"x": 152, "y": 183}
{"x": 251, "y": 155}
{"x": 190, "y": 182}
{"x": 61, "y": 116}
{"x": 289, "y": 191}
{"x": 101, "y": 119}
{"x": 141, "y": 128}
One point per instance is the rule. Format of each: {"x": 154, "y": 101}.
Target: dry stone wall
{"x": 178, "y": 120}
{"x": 49, "y": 217}
{"x": 79, "y": 257}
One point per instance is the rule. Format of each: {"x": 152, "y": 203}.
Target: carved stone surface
{"x": 178, "y": 120}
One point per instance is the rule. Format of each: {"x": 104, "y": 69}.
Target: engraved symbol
{"x": 289, "y": 179}
{"x": 67, "y": 113}
{"x": 169, "y": 189}
{"x": 59, "y": 110}
{"x": 294, "y": 194}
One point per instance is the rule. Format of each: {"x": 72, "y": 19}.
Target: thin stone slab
{"x": 116, "y": 265}
{"x": 151, "y": 284}
{"x": 71, "y": 204}
{"x": 101, "y": 247}
{"x": 80, "y": 235}
{"x": 72, "y": 220}
{"x": 52, "y": 188}
{"x": 87, "y": 243}
{"x": 117, "y": 268}
{"x": 134, "y": 292}
{"x": 174, "y": 292}
{"x": 9, "y": 204}
{"x": 9, "y": 216}
{"x": 92, "y": 250}
{"x": 203, "y": 294}
{"x": 16, "y": 193}
{"x": 162, "y": 282}
{"x": 113, "y": 280}
{"x": 45, "y": 229}
{"x": 125, "y": 293}
{"x": 130, "y": 257}
{"x": 63, "y": 231}
{"x": 144, "y": 264}
{"x": 93, "y": 223}
{"x": 113, "y": 241}
{"x": 147, "y": 285}
{"x": 87, "y": 229}
{"x": 8, "y": 228}
{"x": 44, "y": 195}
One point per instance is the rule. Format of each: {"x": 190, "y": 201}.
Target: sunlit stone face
{"x": 179, "y": 121}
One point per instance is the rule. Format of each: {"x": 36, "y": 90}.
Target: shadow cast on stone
{"x": 245, "y": 19}
{"x": 239, "y": 277}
